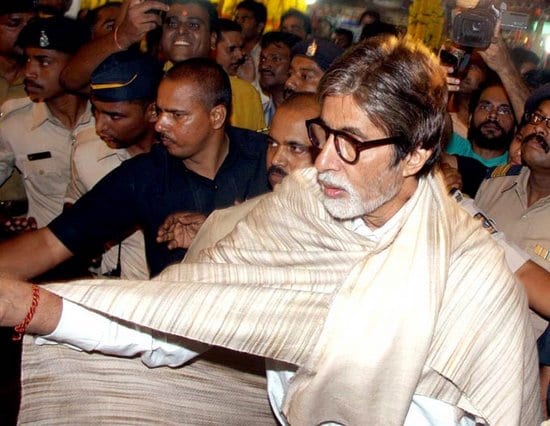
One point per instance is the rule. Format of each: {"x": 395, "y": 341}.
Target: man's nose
{"x": 279, "y": 158}
{"x": 328, "y": 158}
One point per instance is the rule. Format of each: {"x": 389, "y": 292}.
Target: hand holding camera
{"x": 137, "y": 18}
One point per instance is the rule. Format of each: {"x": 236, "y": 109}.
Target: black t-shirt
{"x": 473, "y": 172}
{"x": 144, "y": 190}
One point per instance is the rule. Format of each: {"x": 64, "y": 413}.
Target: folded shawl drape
{"x": 428, "y": 309}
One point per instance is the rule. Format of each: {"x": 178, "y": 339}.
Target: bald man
{"x": 289, "y": 148}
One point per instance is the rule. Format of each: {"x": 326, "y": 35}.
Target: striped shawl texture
{"x": 429, "y": 309}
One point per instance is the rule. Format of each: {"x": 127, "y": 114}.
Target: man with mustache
{"x": 491, "y": 129}
{"x": 288, "y": 149}
{"x": 310, "y": 60}
{"x": 230, "y": 55}
{"x": 273, "y": 69}
{"x": 14, "y": 15}
{"x": 188, "y": 31}
{"x": 37, "y": 132}
{"x": 518, "y": 197}
{"x": 202, "y": 164}
{"x": 373, "y": 296}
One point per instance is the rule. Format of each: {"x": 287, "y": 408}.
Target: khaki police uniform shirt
{"x": 503, "y": 197}
{"x": 91, "y": 160}
{"x": 35, "y": 142}
{"x": 13, "y": 188}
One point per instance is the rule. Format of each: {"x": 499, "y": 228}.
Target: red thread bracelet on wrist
{"x": 20, "y": 329}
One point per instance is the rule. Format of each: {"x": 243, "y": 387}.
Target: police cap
{"x": 126, "y": 76}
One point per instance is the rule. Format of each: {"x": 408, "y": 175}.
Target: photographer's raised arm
{"x": 32, "y": 253}
{"x": 134, "y": 22}
{"x": 497, "y": 57}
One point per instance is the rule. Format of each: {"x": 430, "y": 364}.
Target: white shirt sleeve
{"x": 80, "y": 328}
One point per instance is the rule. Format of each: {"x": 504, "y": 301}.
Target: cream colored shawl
{"x": 429, "y": 309}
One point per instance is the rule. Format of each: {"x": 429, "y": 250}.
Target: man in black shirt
{"x": 201, "y": 165}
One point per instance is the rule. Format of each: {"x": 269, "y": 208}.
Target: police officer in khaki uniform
{"x": 518, "y": 197}
{"x": 37, "y": 132}
{"x": 14, "y": 15}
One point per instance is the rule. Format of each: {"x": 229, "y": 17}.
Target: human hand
{"x": 136, "y": 19}
{"x": 179, "y": 229}
{"x": 496, "y": 55}
{"x": 451, "y": 176}
{"x": 453, "y": 83}
{"x": 19, "y": 224}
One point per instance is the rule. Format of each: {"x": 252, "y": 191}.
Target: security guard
{"x": 123, "y": 92}
{"x": 14, "y": 15}
{"x": 37, "y": 132}
{"x": 518, "y": 197}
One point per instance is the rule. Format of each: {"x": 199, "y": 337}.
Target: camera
{"x": 475, "y": 27}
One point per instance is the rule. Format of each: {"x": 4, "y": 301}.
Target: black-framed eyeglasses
{"x": 536, "y": 118}
{"x": 348, "y": 147}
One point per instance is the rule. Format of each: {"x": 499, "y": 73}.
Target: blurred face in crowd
{"x": 184, "y": 123}
{"x": 121, "y": 124}
{"x": 294, "y": 25}
{"x": 341, "y": 40}
{"x": 289, "y": 147}
{"x": 274, "y": 65}
{"x": 535, "y": 147}
{"x": 42, "y": 71}
{"x": 229, "y": 53}
{"x": 515, "y": 148}
{"x": 186, "y": 33}
{"x": 370, "y": 187}
{"x": 492, "y": 123}
{"x": 304, "y": 76}
{"x": 11, "y": 25}
{"x": 475, "y": 75}
{"x": 105, "y": 21}
{"x": 251, "y": 28}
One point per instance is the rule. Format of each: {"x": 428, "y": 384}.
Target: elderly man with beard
{"x": 373, "y": 296}
{"x": 491, "y": 129}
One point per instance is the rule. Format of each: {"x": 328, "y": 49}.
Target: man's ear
{"x": 218, "y": 116}
{"x": 261, "y": 27}
{"x": 151, "y": 113}
{"x": 415, "y": 160}
{"x": 213, "y": 40}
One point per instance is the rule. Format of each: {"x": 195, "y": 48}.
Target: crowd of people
{"x": 345, "y": 223}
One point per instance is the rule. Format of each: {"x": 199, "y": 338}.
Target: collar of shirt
{"x": 359, "y": 226}
{"x": 41, "y": 113}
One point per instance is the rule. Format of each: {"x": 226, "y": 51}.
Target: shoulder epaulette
{"x": 505, "y": 170}
{"x": 12, "y": 105}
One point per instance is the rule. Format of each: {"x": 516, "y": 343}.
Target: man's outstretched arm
{"x": 32, "y": 253}
{"x": 33, "y": 310}
{"x": 16, "y": 298}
